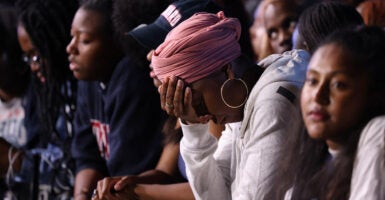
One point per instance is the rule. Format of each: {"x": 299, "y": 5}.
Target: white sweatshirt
{"x": 368, "y": 178}
{"x": 242, "y": 164}
{"x": 12, "y": 127}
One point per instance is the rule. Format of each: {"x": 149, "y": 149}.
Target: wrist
{"x": 82, "y": 194}
{"x": 183, "y": 121}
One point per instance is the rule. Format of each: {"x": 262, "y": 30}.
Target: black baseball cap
{"x": 152, "y": 35}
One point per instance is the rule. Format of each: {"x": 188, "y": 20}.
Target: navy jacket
{"x": 118, "y": 124}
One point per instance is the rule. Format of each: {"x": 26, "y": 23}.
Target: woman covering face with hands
{"x": 204, "y": 76}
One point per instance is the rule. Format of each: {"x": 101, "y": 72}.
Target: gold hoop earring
{"x": 244, "y": 101}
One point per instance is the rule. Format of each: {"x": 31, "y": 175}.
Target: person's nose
{"x": 322, "y": 94}
{"x": 71, "y": 47}
{"x": 284, "y": 37}
{"x": 35, "y": 67}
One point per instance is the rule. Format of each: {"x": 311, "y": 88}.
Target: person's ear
{"x": 305, "y": 46}
{"x": 229, "y": 71}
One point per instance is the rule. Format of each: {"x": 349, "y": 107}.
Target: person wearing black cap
{"x": 170, "y": 17}
{"x": 244, "y": 162}
{"x": 183, "y": 9}
{"x": 168, "y": 179}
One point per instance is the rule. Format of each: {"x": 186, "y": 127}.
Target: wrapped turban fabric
{"x": 198, "y": 47}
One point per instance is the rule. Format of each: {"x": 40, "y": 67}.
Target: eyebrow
{"x": 333, "y": 73}
{"x": 81, "y": 31}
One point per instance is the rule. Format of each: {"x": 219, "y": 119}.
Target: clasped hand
{"x": 116, "y": 188}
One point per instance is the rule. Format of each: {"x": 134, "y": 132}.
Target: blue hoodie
{"x": 118, "y": 124}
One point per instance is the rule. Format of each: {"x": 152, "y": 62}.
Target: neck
{"x": 334, "y": 145}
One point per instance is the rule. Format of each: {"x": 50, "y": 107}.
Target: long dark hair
{"x": 319, "y": 20}
{"x": 304, "y": 164}
{"x": 48, "y": 24}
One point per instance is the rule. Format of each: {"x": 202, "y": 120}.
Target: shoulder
{"x": 85, "y": 87}
{"x": 127, "y": 67}
{"x": 279, "y": 96}
{"x": 129, "y": 76}
{"x": 287, "y": 70}
{"x": 297, "y": 56}
{"x": 374, "y": 133}
{"x": 368, "y": 176}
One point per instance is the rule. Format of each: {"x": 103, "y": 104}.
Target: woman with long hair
{"x": 340, "y": 96}
{"x": 43, "y": 33}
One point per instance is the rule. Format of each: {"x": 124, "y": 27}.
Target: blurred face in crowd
{"x": 91, "y": 50}
{"x": 31, "y": 54}
{"x": 280, "y": 21}
{"x": 334, "y": 96}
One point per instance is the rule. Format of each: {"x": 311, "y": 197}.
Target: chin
{"x": 77, "y": 76}
{"x": 316, "y": 133}
{"x": 81, "y": 77}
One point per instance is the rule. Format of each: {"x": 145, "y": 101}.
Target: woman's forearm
{"x": 178, "y": 191}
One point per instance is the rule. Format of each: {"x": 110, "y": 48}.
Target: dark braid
{"x": 322, "y": 19}
{"x": 48, "y": 24}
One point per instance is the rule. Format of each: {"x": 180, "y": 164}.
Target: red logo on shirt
{"x": 101, "y": 132}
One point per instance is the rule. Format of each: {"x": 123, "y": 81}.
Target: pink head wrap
{"x": 198, "y": 47}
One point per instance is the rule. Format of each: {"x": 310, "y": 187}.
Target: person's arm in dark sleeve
{"x": 90, "y": 166}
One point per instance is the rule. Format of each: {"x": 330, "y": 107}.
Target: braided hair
{"x": 48, "y": 24}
